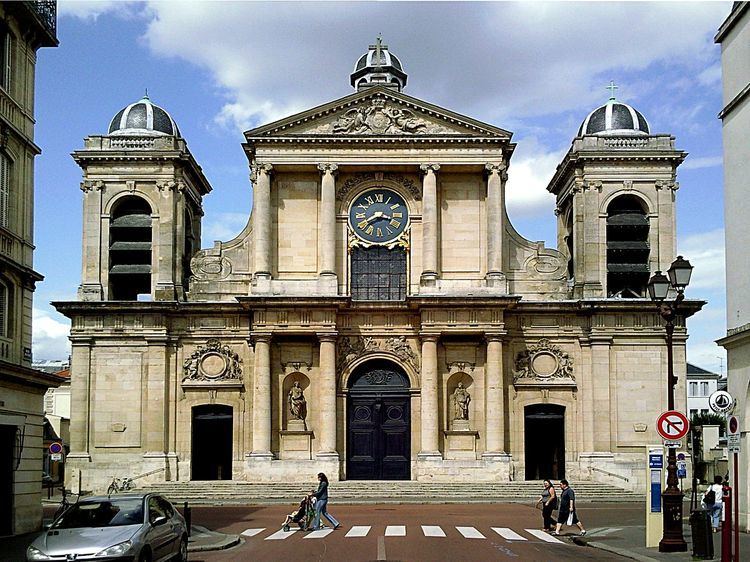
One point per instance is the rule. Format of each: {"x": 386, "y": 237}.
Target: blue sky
{"x": 535, "y": 69}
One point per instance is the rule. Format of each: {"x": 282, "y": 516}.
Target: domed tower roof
{"x": 614, "y": 118}
{"x": 378, "y": 67}
{"x": 143, "y": 118}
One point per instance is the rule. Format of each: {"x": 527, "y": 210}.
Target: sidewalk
{"x": 629, "y": 542}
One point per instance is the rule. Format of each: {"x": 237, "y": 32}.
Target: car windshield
{"x": 114, "y": 512}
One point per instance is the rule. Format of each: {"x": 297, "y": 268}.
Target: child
{"x": 298, "y": 516}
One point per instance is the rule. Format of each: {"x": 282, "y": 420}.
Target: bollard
{"x": 726, "y": 526}
{"x": 703, "y": 541}
{"x": 186, "y": 512}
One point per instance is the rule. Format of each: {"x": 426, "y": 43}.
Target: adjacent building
{"x": 701, "y": 384}
{"x": 25, "y": 27}
{"x": 379, "y": 317}
{"x": 734, "y": 38}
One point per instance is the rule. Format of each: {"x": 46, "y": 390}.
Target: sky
{"x": 536, "y": 69}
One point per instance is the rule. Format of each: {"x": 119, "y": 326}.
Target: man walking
{"x": 567, "y": 513}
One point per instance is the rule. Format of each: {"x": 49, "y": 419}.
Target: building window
{"x": 6, "y": 57}
{"x": 627, "y": 248}
{"x": 693, "y": 412}
{"x": 4, "y": 309}
{"x": 378, "y": 274}
{"x": 704, "y": 389}
{"x": 693, "y": 389}
{"x": 5, "y": 168}
{"x": 130, "y": 249}
{"x": 704, "y": 411}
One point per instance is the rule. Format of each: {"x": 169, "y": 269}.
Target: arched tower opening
{"x": 627, "y": 248}
{"x": 130, "y": 249}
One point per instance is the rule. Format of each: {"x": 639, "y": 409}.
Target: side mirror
{"x": 159, "y": 520}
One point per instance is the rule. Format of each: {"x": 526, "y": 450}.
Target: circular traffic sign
{"x": 672, "y": 425}
{"x": 55, "y": 448}
{"x": 721, "y": 401}
{"x": 734, "y": 425}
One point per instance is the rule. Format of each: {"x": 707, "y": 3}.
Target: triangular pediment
{"x": 378, "y": 112}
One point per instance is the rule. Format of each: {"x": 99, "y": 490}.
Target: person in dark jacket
{"x": 567, "y": 514}
{"x": 321, "y": 497}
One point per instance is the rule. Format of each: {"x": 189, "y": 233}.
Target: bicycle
{"x": 120, "y": 485}
{"x": 64, "y": 503}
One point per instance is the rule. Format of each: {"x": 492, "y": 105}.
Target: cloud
{"x": 705, "y": 251}
{"x": 271, "y": 59}
{"x": 91, "y": 10}
{"x": 50, "y": 336}
{"x": 702, "y": 162}
{"x": 223, "y": 226}
{"x": 531, "y": 169}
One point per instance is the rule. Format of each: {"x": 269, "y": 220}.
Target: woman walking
{"x": 548, "y": 499}
{"x": 321, "y": 503}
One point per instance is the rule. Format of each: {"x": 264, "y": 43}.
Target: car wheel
{"x": 145, "y": 556}
{"x": 182, "y": 556}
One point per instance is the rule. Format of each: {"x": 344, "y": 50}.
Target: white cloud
{"x": 270, "y": 59}
{"x": 705, "y": 251}
{"x": 702, "y": 162}
{"x": 92, "y": 9}
{"x": 531, "y": 169}
{"x": 222, "y": 226}
{"x": 50, "y": 336}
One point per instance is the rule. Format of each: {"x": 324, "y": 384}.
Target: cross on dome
{"x": 378, "y": 67}
{"x": 612, "y": 89}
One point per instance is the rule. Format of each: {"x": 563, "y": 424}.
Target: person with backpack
{"x": 712, "y": 500}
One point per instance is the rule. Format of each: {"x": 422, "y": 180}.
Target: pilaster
{"x": 262, "y": 235}
{"x": 495, "y": 399}
{"x": 496, "y": 178}
{"x": 429, "y": 399}
{"x": 262, "y": 397}
{"x": 327, "y": 261}
{"x": 327, "y": 396}
{"x": 429, "y": 225}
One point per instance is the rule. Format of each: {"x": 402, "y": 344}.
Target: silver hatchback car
{"x": 132, "y": 527}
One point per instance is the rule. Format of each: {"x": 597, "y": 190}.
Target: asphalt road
{"x": 408, "y": 533}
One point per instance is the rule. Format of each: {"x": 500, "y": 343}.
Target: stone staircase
{"x": 224, "y": 492}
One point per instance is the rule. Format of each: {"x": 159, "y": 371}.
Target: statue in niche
{"x": 297, "y": 402}
{"x": 461, "y": 399}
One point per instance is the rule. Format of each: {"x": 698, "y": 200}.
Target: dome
{"x": 143, "y": 118}
{"x": 378, "y": 67}
{"x": 614, "y": 118}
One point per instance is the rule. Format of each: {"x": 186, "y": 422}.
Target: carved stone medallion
{"x": 352, "y": 348}
{"x": 206, "y": 267}
{"x": 542, "y": 362}
{"x": 213, "y": 362}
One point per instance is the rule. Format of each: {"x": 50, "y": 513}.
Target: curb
{"x": 614, "y": 550}
{"x": 221, "y": 542}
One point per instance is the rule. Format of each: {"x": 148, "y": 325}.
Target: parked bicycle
{"x": 64, "y": 503}
{"x": 120, "y": 485}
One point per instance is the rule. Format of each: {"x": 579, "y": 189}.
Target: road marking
{"x": 381, "y": 548}
{"x": 319, "y": 534}
{"x": 358, "y": 531}
{"x": 281, "y": 535}
{"x": 395, "y": 531}
{"x": 252, "y": 532}
{"x": 543, "y": 535}
{"x": 470, "y": 533}
{"x": 508, "y": 534}
{"x": 606, "y": 531}
{"x": 432, "y": 531}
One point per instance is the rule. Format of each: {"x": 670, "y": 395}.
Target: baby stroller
{"x": 303, "y": 516}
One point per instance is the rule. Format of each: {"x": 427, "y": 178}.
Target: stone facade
{"x": 369, "y": 196}
{"x": 25, "y": 27}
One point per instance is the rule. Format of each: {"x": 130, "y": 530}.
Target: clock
{"x": 379, "y": 215}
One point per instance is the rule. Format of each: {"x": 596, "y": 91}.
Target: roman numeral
{"x": 395, "y": 206}
{"x": 360, "y": 216}
{"x": 363, "y": 206}
{"x": 362, "y": 224}
{"x": 395, "y": 224}
{"x": 379, "y": 197}
{"x": 369, "y": 229}
{"x": 379, "y": 232}
{"x": 398, "y": 215}
{"x": 369, "y": 200}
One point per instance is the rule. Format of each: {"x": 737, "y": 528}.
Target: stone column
{"x": 327, "y": 396}
{"x": 165, "y": 245}
{"x": 327, "y": 261}
{"x": 262, "y": 397}
{"x": 496, "y": 178}
{"x": 80, "y": 399}
{"x": 429, "y": 399}
{"x": 429, "y": 224}
{"x": 261, "y": 217}
{"x": 91, "y": 288}
{"x": 495, "y": 410}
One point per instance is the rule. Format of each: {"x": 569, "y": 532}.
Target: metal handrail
{"x": 620, "y": 476}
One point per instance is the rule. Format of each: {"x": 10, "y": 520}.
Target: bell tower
{"x": 142, "y": 201}
{"x": 615, "y": 209}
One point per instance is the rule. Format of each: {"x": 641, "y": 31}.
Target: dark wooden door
{"x": 212, "y": 443}
{"x": 544, "y": 429}
{"x": 379, "y": 428}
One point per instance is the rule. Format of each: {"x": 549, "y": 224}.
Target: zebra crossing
{"x": 430, "y": 531}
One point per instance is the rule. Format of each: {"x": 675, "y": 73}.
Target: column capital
{"x": 328, "y": 336}
{"x": 498, "y": 335}
{"x": 260, "y": 167}
{"x": 328, "y": 167}
{"x": 429, "y": 336}
{"x": 262, "y": 337}
{"x": 430, "y": 167}
{"x": 498, "y": 168}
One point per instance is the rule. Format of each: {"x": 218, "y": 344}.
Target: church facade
{"x": 379, "y": 317}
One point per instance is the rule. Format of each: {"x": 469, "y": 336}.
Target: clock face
{"x": 378, "y": 215}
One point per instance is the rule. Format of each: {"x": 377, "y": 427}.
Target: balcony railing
{"x": 46, "y": 12}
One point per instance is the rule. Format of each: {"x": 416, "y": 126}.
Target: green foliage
{"x": 709, "y": 419}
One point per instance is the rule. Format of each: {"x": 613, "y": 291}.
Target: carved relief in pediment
{"x": 352, "y": 348}
{"x": 213, "y": 362}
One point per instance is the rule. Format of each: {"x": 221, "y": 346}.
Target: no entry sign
{"x": 672, "y": 425}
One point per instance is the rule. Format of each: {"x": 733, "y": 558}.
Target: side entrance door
{"x": 379, "y": 428}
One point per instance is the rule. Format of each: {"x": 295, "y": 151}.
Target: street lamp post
{"x": 658, "y": 289}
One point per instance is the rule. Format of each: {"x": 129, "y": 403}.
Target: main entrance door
{"x": 8, "y": 455}
{"x": 544, "y": 429}
{"x": 212, "y": 442}
{"x": 379, "y": 423}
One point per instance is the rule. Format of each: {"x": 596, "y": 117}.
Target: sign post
{"x": 733, "y": 445}
{"x": 672, "y": 426}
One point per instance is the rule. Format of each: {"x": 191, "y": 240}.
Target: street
{"x": 408, "y": 533}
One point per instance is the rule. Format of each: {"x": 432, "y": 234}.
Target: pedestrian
{"x": 567, "y": 514}
{"x": 712, "y": 500}
{"x": 321, "y": 497}
{"x": 548, "y": 499}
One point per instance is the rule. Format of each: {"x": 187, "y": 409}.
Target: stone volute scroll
{"x": 543, "y": 364}
{"x": 212, "y": 363}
